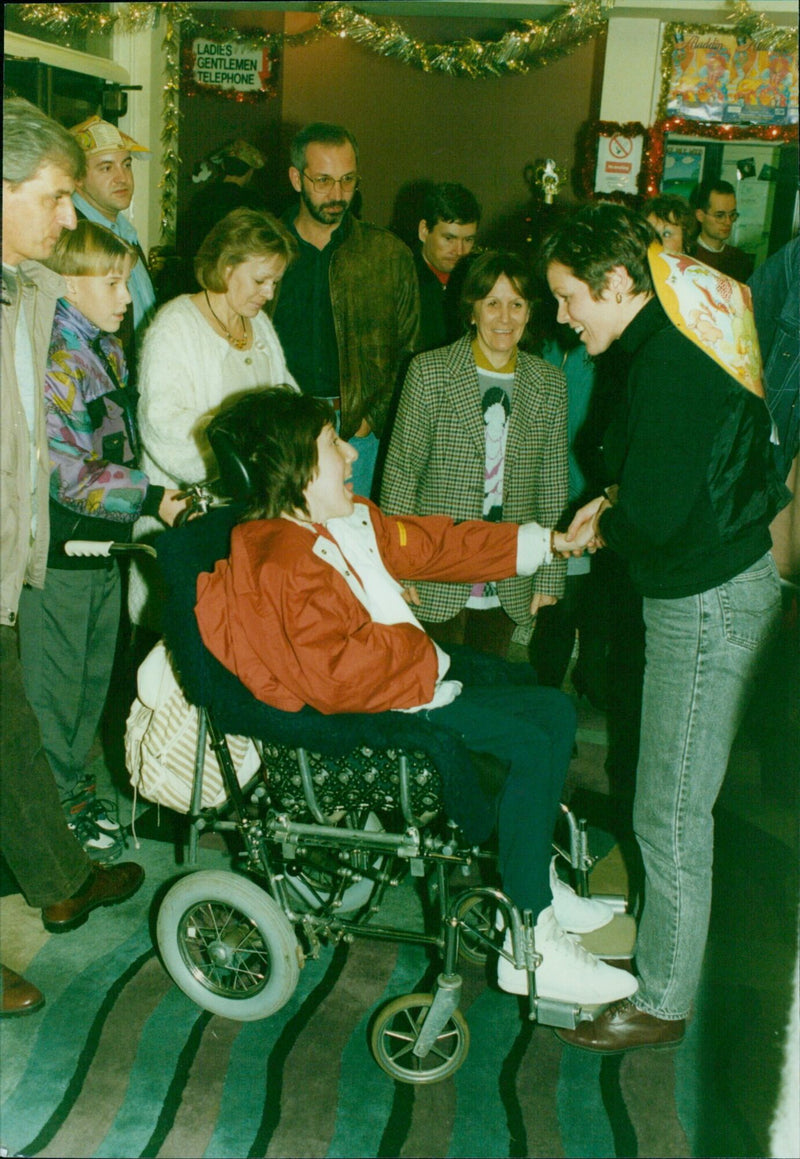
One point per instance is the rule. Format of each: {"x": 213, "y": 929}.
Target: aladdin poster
{"x": 714, "y": 77}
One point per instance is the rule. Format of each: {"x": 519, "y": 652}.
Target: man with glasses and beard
{"x": 714, "y": 203}
{"x": 348, "y": 310}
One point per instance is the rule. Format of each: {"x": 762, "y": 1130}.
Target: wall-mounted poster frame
{"x": 655, "y": 141}
{"x": 716, "y": 75}
{"x": 613, "y": 160}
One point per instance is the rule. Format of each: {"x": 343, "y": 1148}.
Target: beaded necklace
{"x": 237, "y": 343}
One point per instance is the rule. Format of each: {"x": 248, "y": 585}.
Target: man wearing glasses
{"x": 348, "y": 309}
{"x": 714, "y": 202}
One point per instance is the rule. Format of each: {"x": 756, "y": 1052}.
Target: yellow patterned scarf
{"x": 712, "y": 310}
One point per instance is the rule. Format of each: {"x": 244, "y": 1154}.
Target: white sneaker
{"x": 578, "y": 915}
{"x": 568, "y": 973}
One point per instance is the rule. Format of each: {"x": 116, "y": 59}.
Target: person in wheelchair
{"x": 308, "y": 609}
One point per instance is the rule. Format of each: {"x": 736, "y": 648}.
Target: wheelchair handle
{"x": 104, "y": 548}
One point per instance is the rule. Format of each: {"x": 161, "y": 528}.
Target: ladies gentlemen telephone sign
{"x": 232, "y": 68}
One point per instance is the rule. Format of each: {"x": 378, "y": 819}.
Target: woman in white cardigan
{"x": 199, "y": 350}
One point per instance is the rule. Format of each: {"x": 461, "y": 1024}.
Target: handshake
{"x": 582, "y": 534}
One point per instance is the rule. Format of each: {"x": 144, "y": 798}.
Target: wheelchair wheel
{"x": 476, "y": 916}
{"x": 228, "y": 945}
{"x": 397, "y": 1029}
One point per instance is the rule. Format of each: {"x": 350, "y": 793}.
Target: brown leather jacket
{"x": 375, "y": 299}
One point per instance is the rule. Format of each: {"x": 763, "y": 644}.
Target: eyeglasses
{"x": 325, "y": 184}
{"x": 723, "y": 215}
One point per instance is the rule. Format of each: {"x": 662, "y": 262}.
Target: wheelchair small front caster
{"x": 396, "y": 1031}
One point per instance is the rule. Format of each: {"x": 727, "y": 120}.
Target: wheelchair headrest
{"x": 183, "y": 553}
{"x": 234, "y": 475}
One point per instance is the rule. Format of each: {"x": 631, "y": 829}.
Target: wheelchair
{"x": 338, "y": 819}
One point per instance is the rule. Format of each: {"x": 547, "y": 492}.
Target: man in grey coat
{"x": 40, "y": 164}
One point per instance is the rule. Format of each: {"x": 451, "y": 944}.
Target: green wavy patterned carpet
{"x": 121, "y": 1063}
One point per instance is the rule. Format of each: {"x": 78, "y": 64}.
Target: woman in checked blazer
{"x": 481, "y": 433}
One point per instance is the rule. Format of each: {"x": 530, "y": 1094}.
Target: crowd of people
{"x": 345, "y": 369}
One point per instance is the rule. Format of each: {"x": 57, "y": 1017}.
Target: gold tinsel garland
{"x": 169, "y": 127}
{"x": 759, "y": 29}
{"x": 533, "y": 45}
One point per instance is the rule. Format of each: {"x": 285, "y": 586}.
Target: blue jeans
{"x": 533, "y": 729}
{"x": 702, "y": 655}
{"x": 364, "y": 466}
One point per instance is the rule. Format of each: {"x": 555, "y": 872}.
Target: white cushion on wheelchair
{"x": 161, "y": 741}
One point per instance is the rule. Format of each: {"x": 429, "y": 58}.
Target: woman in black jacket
{"x": 696, "y": 493}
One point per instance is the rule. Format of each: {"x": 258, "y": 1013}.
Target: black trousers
{"x": 533, "y": 730}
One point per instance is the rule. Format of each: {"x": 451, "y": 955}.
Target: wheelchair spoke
{"x": 224, "y": 947}
{"x": 401, "y": 1036}
{"x": 403, "y": 1051}
{"x": 438, "y": 1045}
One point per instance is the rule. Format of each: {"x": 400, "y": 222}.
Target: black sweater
{"x": 697, "y": 487}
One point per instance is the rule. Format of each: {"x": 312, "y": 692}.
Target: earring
{"x": 619, "y": 299}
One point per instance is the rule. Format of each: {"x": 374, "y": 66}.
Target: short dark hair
{"x": 597, "y": 238}
{"x": 274, "y": 432}
{"x": 242, "y": 234}
{"x": 319, "y": 133}
{"x": 31, "y": 139}
{"x": 700, "y": 197}
{"x": 448, "y": 201}
{"x": 670, "y": 207}
{"x": 482, "y": 273}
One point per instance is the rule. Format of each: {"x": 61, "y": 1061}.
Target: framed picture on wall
{"x": 683, "y": 168}
{"x": 613, "y": 155}
{"x": 718, "y": 77}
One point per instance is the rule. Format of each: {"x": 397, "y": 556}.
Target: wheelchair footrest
{"x": 548, "y": 1012}
{"x": 565, "y": 1015}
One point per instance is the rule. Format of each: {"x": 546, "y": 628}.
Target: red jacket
{"x": 286, "y": 621}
